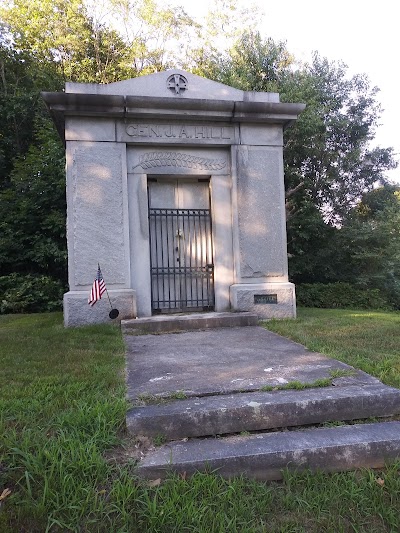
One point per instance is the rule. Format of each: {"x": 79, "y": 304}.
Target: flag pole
{"x": 114, "y": 312}
{"x": 105, "y": 286}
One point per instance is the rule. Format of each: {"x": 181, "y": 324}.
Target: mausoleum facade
{"x": 175, "y": 187}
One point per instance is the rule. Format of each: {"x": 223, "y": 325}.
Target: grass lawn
{"x": 368, "y": 340}
{"x": 62, "y": 407}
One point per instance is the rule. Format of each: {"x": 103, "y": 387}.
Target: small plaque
{"x": 265, "y": 298}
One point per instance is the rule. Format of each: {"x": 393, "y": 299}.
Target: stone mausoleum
{"x": 175, "y": 187}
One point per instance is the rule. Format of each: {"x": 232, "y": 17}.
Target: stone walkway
{"x": 226, "y": 360}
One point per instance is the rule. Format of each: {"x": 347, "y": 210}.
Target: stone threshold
{"x": 173, "y": 323}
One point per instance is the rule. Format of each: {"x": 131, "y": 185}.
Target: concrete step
{"x": 217, "y": 415}
{"x": 193, "y": 321}
{"x": 264, "y": 456}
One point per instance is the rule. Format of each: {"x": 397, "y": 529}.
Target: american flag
{"x": 98, "y": 288}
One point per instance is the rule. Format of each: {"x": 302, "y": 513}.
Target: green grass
{"x": 298, "y": 385}
{"x": 151, "y": 399}
{"x": 62, "y": 404}
{"x": 62, "y": 412}
{"x": 368, "y": 340}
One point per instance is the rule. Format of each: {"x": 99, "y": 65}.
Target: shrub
{"x": 340, "y": 295}
{"x": 29, "y": 293}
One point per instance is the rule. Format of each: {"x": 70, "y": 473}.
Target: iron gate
{"x": 182, "y": 270}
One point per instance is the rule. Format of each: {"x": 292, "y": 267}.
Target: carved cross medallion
{"x": 177, "y": 83}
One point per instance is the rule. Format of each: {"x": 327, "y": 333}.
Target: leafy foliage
{"x": 20, "y": 103}
{"x": 252, "y": 64}
{"x": 29, "y": 293}
{"x": 60, "y": 35}
{"x": 340, "y": 296}
{"x": 370, "y": 242}
{"x": 328, "y": 158}
{"x": 312, "y": 253}
{"x": 33, "y": 210}
{"x": 364, "y": 252}
{"x": 154, "y": 36}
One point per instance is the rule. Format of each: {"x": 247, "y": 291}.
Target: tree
{"x": 33, "y": 209}
{"x": 328, "y": 157}
{"x": 312, "y": 252}
{"x": 20, "y": 103}
{"x": 156, "y": 36}
{"x": 369, "y": 242}
{"x": 59, "y": 34}
{"x": 328, "y": 153}
{"x": 253, "y": 63}
{"x": 219, "y": 35}
{"x": 329, "y": 161}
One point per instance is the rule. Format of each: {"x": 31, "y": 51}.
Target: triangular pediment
{"x": 171, "y": 83}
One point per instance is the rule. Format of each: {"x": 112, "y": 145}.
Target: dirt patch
{"x": 130, "y": 450}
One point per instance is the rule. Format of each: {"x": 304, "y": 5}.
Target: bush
{"x": 341, "y": 296}
{"x": 29, "y": 293}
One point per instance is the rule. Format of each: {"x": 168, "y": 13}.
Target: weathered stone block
{"x": 139, "y": 131}
{"x": 222, "y": 414}
{"x": 261, "y": 213}
{"x": 97, "y": 221}
{"x": 89, "y": 129}
{"x": 265, "y": 456}
{"x": 180, "y": 161}
{"x": 77, "y": 312}
{"x": 256, "y": 297}
{"x": 155, "y": 85}
{"x": 259, "y": 135}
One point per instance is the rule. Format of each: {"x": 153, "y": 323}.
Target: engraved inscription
{"x": 179, "y": 131}
{"x": 176, "y": 159}
{"x": 265, "y": 298}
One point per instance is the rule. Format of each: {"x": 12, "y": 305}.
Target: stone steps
{"x": 234, "y": 413}
{"x": 264, "y": 456}
{"x": 194, "y": 321}
{"x": 226, "y": 423}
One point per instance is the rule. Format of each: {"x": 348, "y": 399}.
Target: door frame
{"x": 222, "y": 235}
{"x": 181, "y": 284}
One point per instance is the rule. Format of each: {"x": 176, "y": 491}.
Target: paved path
{"x": 225, "y": 360}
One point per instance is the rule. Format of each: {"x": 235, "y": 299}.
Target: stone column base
{"x": 77, "y": 312}
{"x": 267, "y": 300}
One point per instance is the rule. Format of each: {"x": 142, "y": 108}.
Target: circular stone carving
{"x": 177, "y": 83}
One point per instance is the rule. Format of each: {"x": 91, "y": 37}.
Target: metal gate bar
{"x": 182, "y": 270}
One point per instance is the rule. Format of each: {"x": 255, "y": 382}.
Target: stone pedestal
{"x": 77, "y": 312}
{"x": 267, "y": 300}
